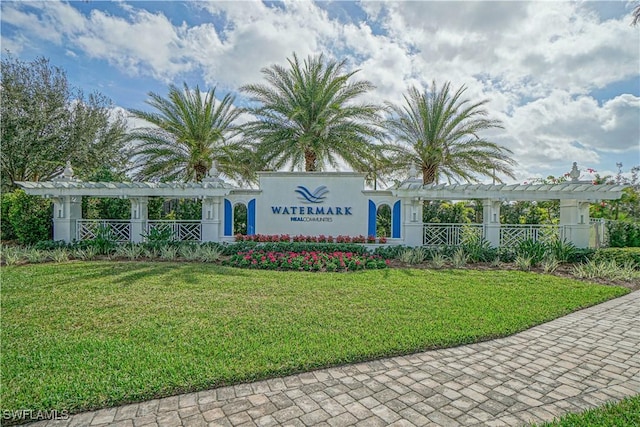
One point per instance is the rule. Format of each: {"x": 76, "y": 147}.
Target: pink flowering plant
{"x": 306, "y": 261}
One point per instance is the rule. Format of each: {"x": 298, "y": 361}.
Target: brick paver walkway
{"x": 567, "y": 365}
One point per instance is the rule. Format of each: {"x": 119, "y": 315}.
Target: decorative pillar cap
{"x": 213, "y": 174}
{"x": 67, "y": 173}
{"x": 413, "y": 172}
{"x": 68, "y": 170}
{"x": 575, "y": 172}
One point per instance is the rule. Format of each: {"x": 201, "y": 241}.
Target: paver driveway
{"x": 567, "y": 365}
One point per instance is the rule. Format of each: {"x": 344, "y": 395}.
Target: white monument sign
{"x": 311, "y": 204}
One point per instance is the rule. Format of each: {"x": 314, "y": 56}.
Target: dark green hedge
{"x": 623, "y": 234}
{"x": 25, "y": 218}
{"x": 621, "y": 256}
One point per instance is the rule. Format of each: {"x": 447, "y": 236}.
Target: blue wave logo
{"x": 307, "y": 196}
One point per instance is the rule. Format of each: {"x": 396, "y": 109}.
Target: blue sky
{"x": 563, "y": 77}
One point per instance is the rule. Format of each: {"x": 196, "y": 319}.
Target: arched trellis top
{"x": 575, "y": 191}
{"x": 564, "y": 191}
{"x": 127, "y": 189}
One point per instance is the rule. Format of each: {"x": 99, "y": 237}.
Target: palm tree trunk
{"x": 428, "y": 174}
{"x": 310, "y": 161}
{"x": 201, "y": 171}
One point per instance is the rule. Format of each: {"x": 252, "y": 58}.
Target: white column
{"x": 574, "y": 220}
{"x": 491, "y": 221}
{"x": 139, "y": 216}
{"x": 66, "y": 210}
{"x": 211, "y": 219}
{"x": 412, "y": 226}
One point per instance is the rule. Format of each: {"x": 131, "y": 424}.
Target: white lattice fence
{"x": 179, "y": 230}
{"x": 512, "y": 234}
{"x": 437, "y": 234}
{"x": 116, "y": 230}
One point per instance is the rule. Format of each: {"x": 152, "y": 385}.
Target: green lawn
{"x": 85, "y": 335}
{"x": 625, "y": 413}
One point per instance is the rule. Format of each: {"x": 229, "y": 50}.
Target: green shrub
{"x": 621, "y": 256}
{"x": 623, "y": 234}
{"x": 561, "y": 250}
{"x": 158, "y": 237}
{"x": 6, "y": 229}
{"x": 532, "y": 249}
{"x": 506, "y": 254}
{"x": 105, "y": 208}
{"x": 104, "y": 240}
{"x": 478, "y": 249}
{"x": 29, "y": 217}
{"x": 389, "y": 251}
{"x": 49, "y": 245}
{"x": 581, "y": 255}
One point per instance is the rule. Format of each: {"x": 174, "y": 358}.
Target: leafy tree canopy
{"x": 46, "y": 121}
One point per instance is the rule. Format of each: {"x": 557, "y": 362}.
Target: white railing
{"x": 442, "y": 234}
{"x": 512, "y": 234}
{"x": 179, "y": 230}
{"x": 111, "y": 229}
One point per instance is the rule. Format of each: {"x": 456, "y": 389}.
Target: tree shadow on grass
{"x": 186, "y": 272}
{"x": 116, "y": 272}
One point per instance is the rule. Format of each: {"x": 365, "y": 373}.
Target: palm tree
{"x": 189, "y": 133}
{"x": 306, "y": 114}
{"x": 636, "y": 15}
{"x": 439, "y": 132}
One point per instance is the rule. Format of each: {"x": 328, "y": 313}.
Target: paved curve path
{"x": 567, "y": 365}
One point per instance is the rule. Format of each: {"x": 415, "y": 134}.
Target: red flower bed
{"x": 307, "y": 261}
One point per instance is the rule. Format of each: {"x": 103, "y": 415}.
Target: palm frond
{"x": 440, "y": 131}
{"x": 308, "y": 111}
{"x": 186, "y": 133}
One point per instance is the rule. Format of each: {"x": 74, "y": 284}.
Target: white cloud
{"x": 613, "y": 126}
{"x": 537, "y": 62}
{"x": 550, "y": 133}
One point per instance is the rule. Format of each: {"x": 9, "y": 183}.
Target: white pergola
{"x": 575, "y": 197}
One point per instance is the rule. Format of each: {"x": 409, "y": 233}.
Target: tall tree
{"x": 439, "y": 131}
{"x": 187, "y": 133}
{"x": 307, "y": 115}
{"x": 46, "y": 121}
